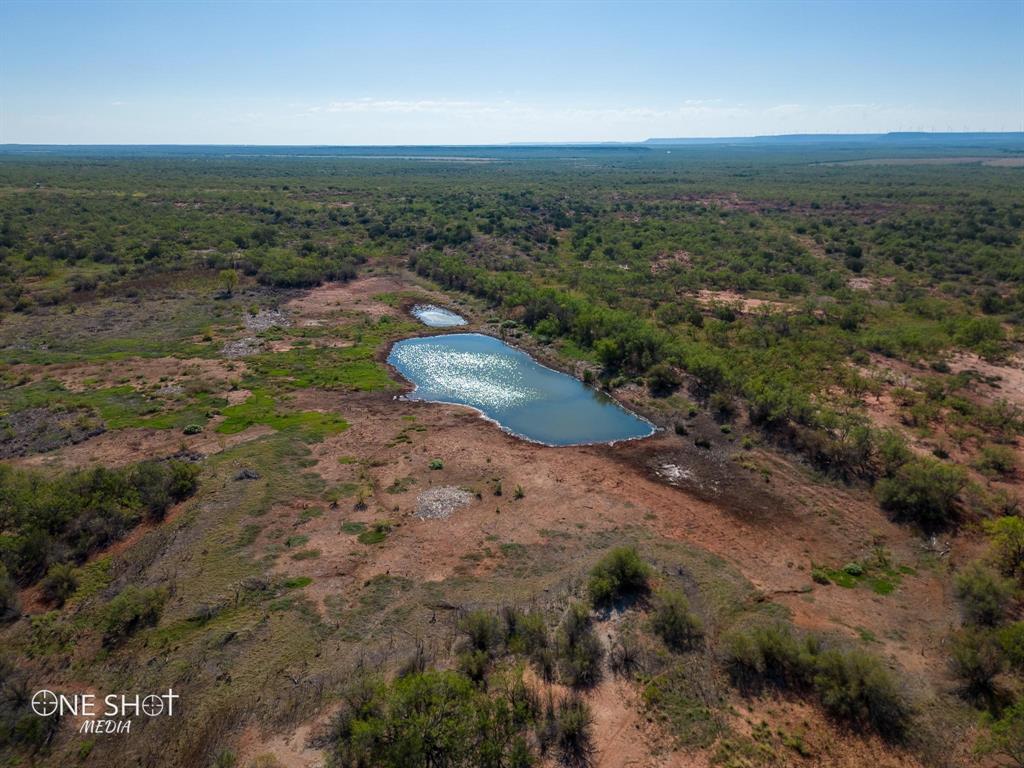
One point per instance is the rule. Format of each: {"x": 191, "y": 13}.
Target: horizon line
{"x": 553, "y": 143}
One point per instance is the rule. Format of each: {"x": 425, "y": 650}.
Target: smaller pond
{"x": 436, "y": 317}
{"x": 511, "y": 388}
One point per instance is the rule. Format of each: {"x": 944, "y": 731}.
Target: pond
{"x": 509, "y": 387}
{"x": 436, "y": 317}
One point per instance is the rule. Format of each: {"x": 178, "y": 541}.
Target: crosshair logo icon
{"x": 45, "y": 703}
{"x": 153, "y": 705}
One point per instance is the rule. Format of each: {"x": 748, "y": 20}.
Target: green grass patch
{"x": 376, "y": 534}
{"x": 119, "y": 407}
{"x": 401, "y": 485}
{"x": 260, "y": 408}
{"x": 325, "y": 368}
{"x": 92, "y": 578}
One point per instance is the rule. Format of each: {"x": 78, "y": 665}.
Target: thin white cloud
{"x": 449, "y": 120}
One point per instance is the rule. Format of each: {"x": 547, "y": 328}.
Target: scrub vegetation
{"x": 204, "y": 455}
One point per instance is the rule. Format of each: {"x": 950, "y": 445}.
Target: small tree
{"x": 8, "y": 596}
{"x": 662, "y": 380}
{"x": 60, "y": 583}
{"x": 976, "y": 659}
{"x": 131, "y": 610}
{"x": 854, "y": 686}
{"x": 482, "y": 630}
{"x": 575, "y": 739}
{"x": 578, "y": 648}
{"x": 1006, "y": 737}
{"x": 673, "y": 622}
{"x": 620, "y": 573}
{"x": 1008, "y": 541}
{"x": 229, "y": 281}
{"x": 983, "y": 593}
{"x": 1011, "y": 641}
{"x": 923, "y": 490}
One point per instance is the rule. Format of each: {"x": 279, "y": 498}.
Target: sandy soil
{"x": 1005, "y": 381}
{"x": 608, "y": 488}
{"x": 746, "y": 305}
{"x": 354, "y": 296}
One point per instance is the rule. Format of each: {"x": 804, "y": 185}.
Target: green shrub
{"x": 722, "y": 405}
{"x": 1007, "y": 535}
{"x": 820, "y": 576}
{"x": 578, "y": 649}
{"x": 673, "y": 621}
{"x": 59, "y": 584}
{"x": 892, "y": 451}
{"x": 429, "y": 719}
{"x": 853, "y": 569}
{"x": 768, "y": 654}
{"x": 922, "y": 490}
{"x": 49, "y": 519}
{"x": 526, "y": 633}
{"x": 975, "y": 660}
{"x": 1005, "y": 738}
{"x": 983, "y": 593}
{"x": 133, "y": 609}
{"x": 996, "y": 461}
{"x": 482, "y": 630}
{"x": 1011, "y": 641}
{"x": 574, "y": 733}
{"x": 474, "y": 664}
{"x": 163, "y": 483}
{"x": 856, "y": 688}
{"x": 851, "y": 685}
{"x": 662, "y": 380}
{"x": 8, "y": 597}
{"x": 620, "y": 573}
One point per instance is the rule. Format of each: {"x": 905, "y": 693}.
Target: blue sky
{"x": 422, "y": 73}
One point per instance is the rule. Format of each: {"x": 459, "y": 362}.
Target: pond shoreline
{"x": 554, "y": 383}
{"x": 526, "y": 342}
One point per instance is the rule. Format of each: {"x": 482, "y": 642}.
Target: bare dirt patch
{"x": 999, "y": 381}
{"x": 358, "y": 295}
{"x": 127, "y": 446}
{"x": 866, "y": 284}
{"x": 746, "y": 306}
{"x": 779, "y": 529}
{"x": 666, "y": 261}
